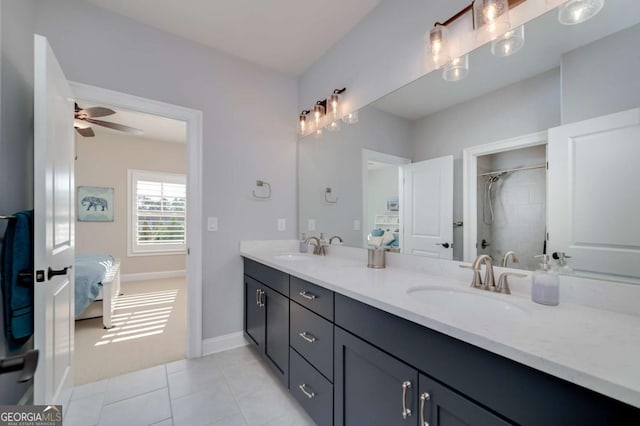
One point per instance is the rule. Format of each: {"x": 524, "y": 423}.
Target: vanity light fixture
{"x": 438, "y": 45}
{"x": 490, "y": 19}
{"x": 351, "y": 118}
{"x": 457, "y": 69}
{"x": 325, "y": 113}
{"x": 303, "y": 126}
{"x": 509, "y": 43}
{"x": 574, "y": 12}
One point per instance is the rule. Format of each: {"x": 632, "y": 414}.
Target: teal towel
{"x": 17, "y": 292}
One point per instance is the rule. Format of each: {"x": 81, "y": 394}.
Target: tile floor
{"x": 232, "y": 388}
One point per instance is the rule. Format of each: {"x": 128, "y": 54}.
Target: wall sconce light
{"x": 351, "y": 118}
{"x": 457, "y": 69}
{"x": 438, "y": 46}
{"x": 490, "y": 19}
{"x": 325, "y": 113}
{"x": 574, "y": 12}
{"x": 509, "y": 43}
{"x": 303, "y": 126}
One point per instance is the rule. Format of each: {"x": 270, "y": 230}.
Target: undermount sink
{"x": 473, "y": 302}
{"x": 293, "y": 256}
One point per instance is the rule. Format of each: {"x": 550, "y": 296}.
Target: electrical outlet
{"x": 356, "y": 225}
{"x": 311, "y": 225}
{"x": 212, "y": 224}
{"x": 282, "y": 224}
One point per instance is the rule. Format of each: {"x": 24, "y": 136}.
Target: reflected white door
{"x": 426, "y": 208}
{"x": 593, "y": 197}
{"x": 53, "y": 228}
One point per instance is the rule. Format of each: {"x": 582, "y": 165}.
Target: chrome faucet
{"x": 503, "y": 283}
{"x": 510, "y": 254}
{"x": 489, "y": 280}
{"x": 318, "y": 248}
{"x": 335, "y": 236}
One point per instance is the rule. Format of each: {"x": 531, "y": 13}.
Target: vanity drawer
{"x": 316, "y": 298}
{"x": 277, "y": 280}
{"x": 312, "y": 336}
{"x": 311, "y": 390}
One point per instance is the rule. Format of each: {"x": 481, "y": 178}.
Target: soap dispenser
{"x": 563, "y": 266}
{"x": 545, "y": 288}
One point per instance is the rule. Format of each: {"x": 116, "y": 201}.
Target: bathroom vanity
{"x": 402, "y": 346}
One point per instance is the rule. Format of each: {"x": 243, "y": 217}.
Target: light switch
{"x": 311, "y": 225}
{"x": 212, "y": 224}
{"x": 282, "y": 224}
{"x": 356, "y": 225}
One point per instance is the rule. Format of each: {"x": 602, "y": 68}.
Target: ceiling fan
{"x": 84, "y": 117}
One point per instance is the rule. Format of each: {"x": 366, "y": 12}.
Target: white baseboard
{"x": 143, "y": 276}
{"x": 223, "y": 343}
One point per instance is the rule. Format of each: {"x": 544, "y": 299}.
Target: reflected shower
{"x": 488, "y": 216}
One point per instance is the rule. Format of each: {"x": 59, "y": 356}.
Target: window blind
{"x": 160, "y": 213}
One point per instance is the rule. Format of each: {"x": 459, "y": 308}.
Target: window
{"x": 157, "y": 211}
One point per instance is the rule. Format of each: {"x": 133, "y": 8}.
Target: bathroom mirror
{"x": 550, "y": 82}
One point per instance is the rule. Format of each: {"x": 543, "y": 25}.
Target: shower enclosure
{"x": 511, "y": 209}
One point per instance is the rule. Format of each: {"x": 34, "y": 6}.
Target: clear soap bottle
{"x": 545, "y": 288}
{"x": 304, "y": 247}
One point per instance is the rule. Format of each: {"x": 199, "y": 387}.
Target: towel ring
{"x": 327, "y": 193}
{"x": 262, "y": 184}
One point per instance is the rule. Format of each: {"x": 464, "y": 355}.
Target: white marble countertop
{"x": 596, "y": 349}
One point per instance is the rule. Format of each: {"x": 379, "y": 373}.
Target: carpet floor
{"x": 149, "y": 329}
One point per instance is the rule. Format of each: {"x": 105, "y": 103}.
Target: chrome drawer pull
{"x": 308, "y": 337}
{"x": 308, "y": 296}
{"x": 406, "y": 412}
{"x": 303, "y": 388}
{"x": 423, "y": 400}
{"x": 258, "y": 297}
{"x": 262, "y": 293}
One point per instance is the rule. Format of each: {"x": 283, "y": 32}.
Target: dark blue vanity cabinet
{"x": 350, "y": 364}
{"x": 266, "y": 315}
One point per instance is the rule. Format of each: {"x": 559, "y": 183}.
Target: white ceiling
{"x": 155, "y": 128}
{"x": 285, "y": 35}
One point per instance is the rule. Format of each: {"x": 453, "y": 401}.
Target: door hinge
{"x": 547, "y": 236}
{"x": 188, "y": 251}
{"x": 547, "y": 165}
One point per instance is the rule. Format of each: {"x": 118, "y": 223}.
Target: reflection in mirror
{"x": 562, "y": 74}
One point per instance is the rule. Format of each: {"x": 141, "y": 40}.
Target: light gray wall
{"x": 382, "y": 53}
{"x": 335, "y": 160}
{"x": 525, "y": 107}
{"x": 249, "y": 129}
{"x": 16, "y": 136}
{"x": 602, "y": 77}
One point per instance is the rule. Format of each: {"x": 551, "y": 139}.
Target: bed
{"x": 97, "y": 278}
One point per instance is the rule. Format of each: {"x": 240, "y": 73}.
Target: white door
{"x": 426, "y": 208}
{"x": 594, "y": 205}
{"x": 54, "y": 228}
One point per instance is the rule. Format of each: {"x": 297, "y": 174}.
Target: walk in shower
{"x": 512, "y": 206}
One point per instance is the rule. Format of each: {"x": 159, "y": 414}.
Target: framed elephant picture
{"x": 95, "y": 204}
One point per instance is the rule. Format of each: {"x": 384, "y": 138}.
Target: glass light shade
{"x": 509, "y": 43}
{"x": 491, "y": 19}
{"x": 457, "y": 69}
{"x": 318, "y": 114}
{"x": 577, "y": 11}
{"x": 303, "y": 125}
{"x": 351, "y": 118}
{"x": 333, "y": 106}
{"x": 438, "y": 46}
{"x": 334, "y": 126}
{"x": 318, "y": 133}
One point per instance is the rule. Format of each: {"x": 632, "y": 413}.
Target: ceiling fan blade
{"x": 116, "y": 126}
{"x": 96, "y": 111}
{"x": 87, "y": 132}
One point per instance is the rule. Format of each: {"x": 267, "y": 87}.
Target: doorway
{"x": 193, "y": 120}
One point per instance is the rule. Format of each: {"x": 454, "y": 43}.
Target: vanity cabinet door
{"x": 276, "y": 337}
{"x": 371, "y": 387}
{"x": 254, "y": 312}
{"x": 440, "y": 406}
